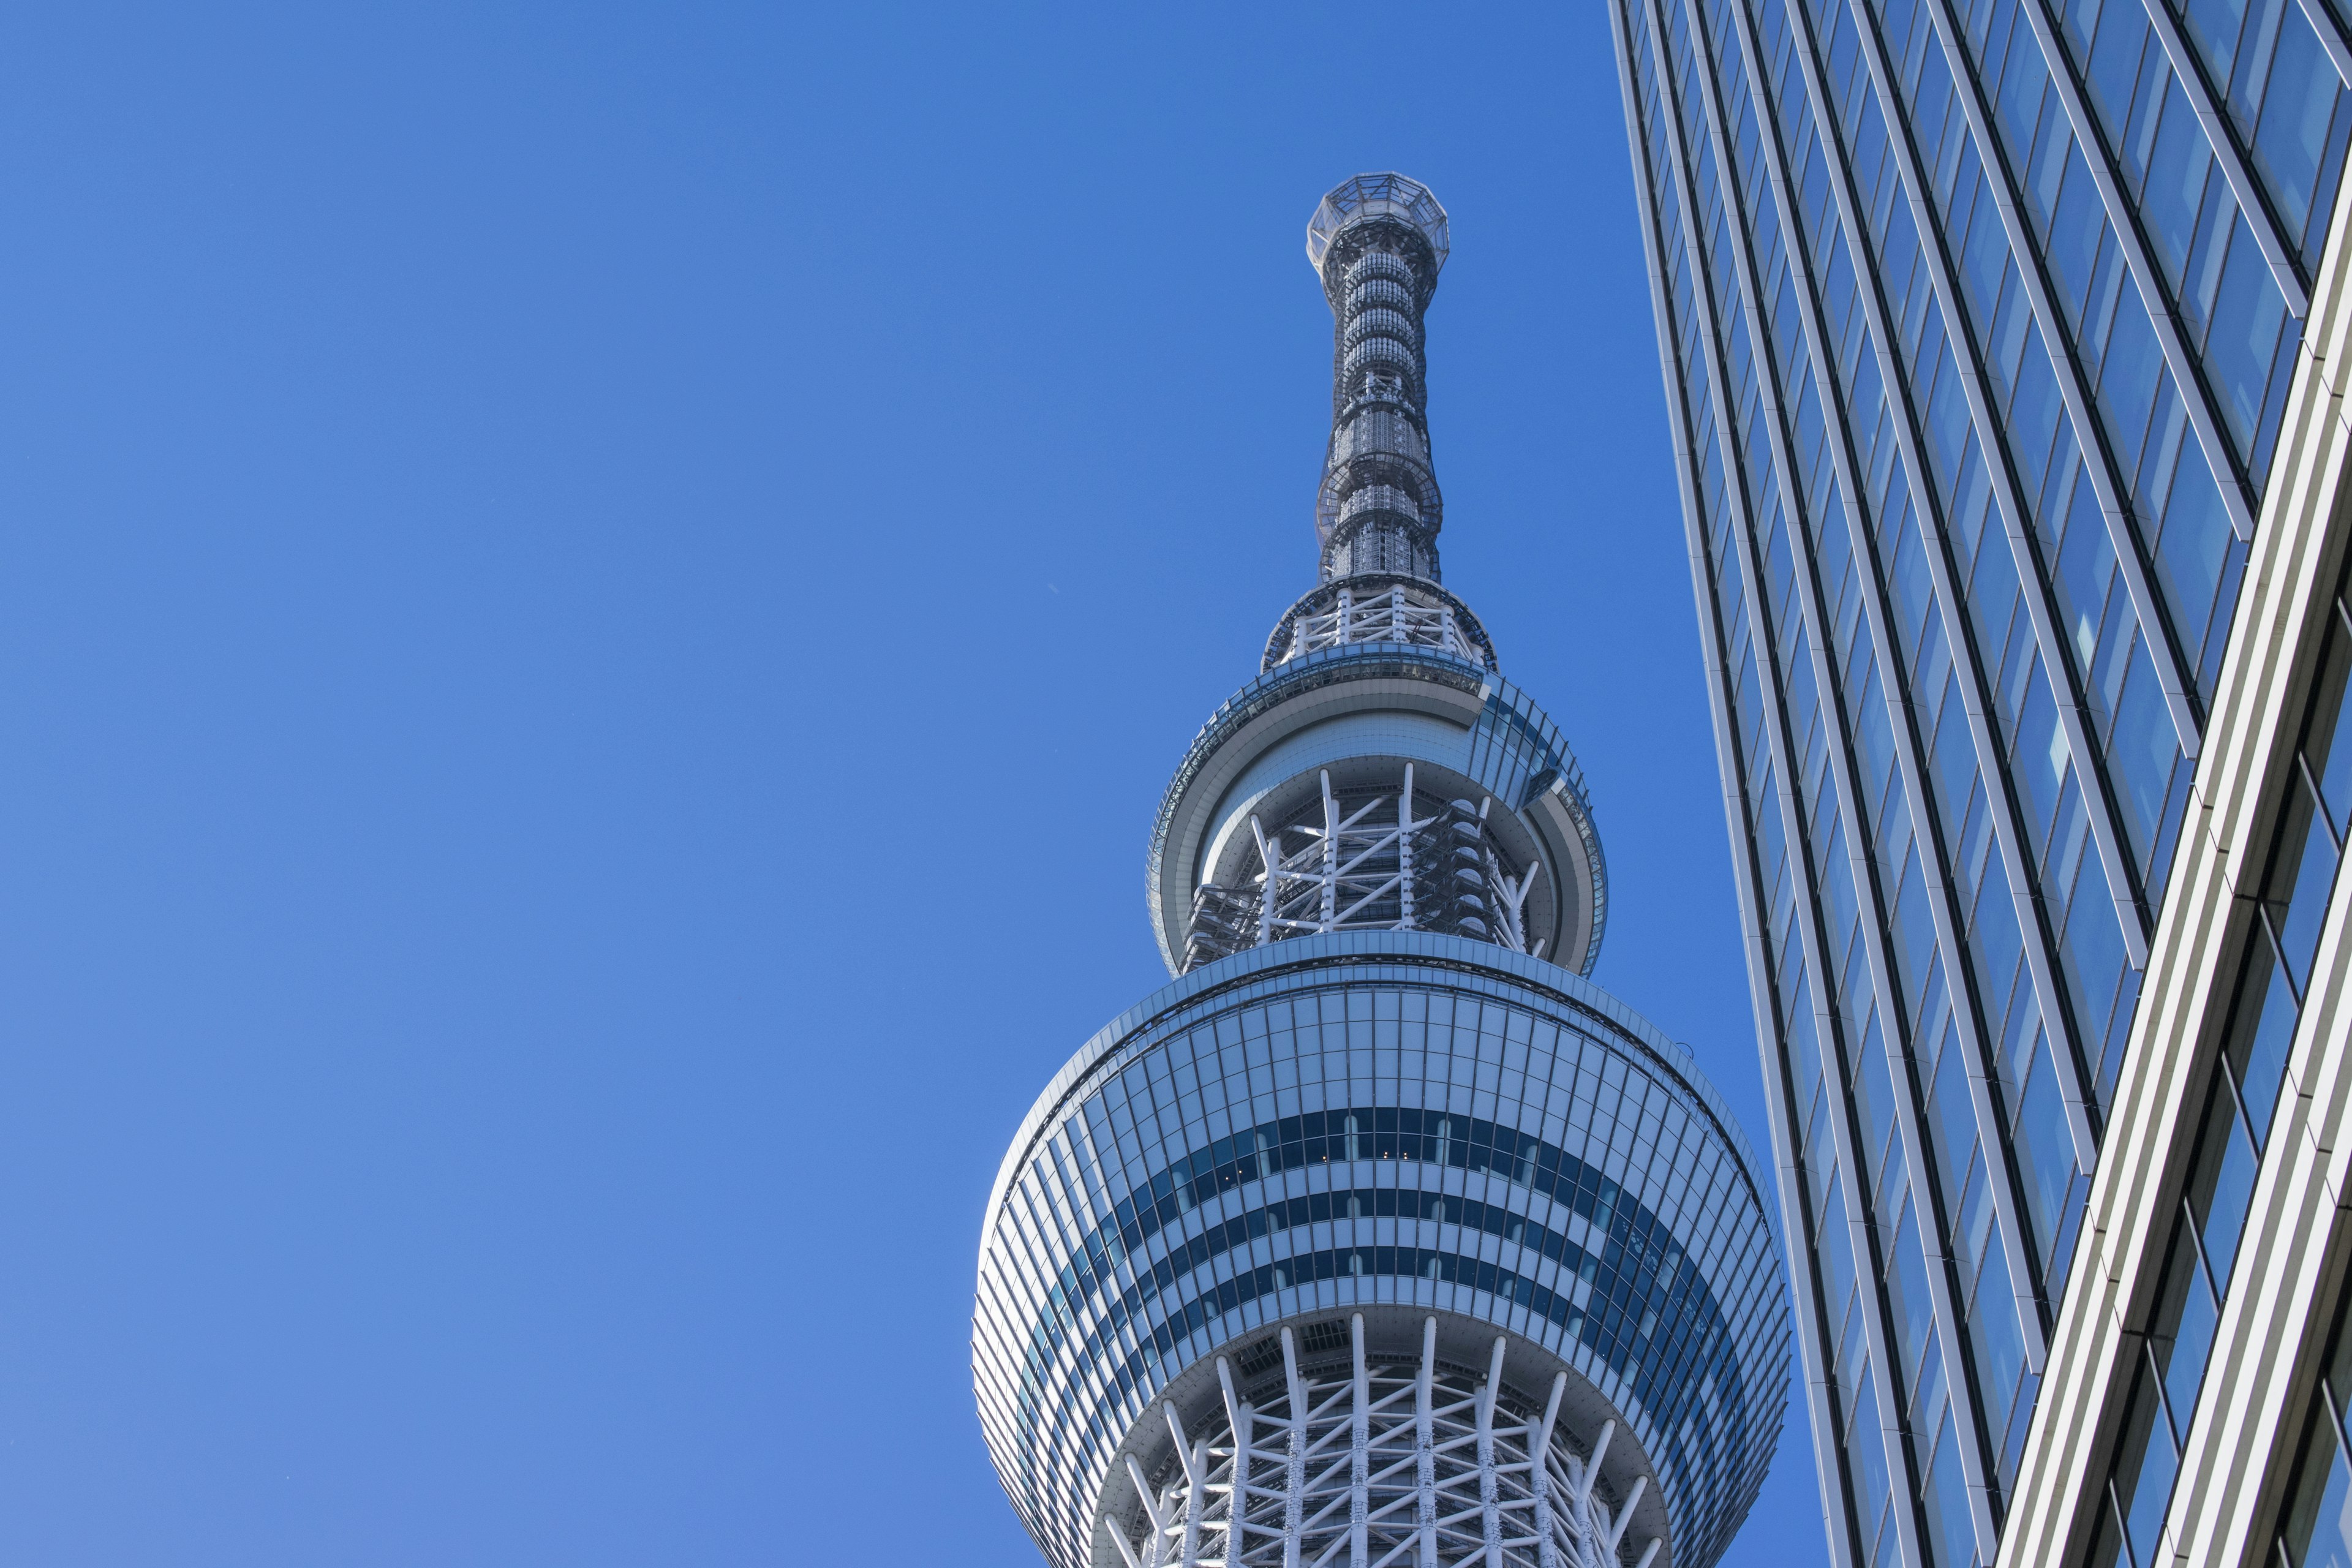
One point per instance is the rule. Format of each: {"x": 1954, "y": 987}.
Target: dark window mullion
{"x": 2335, "y": 1416}
{"x": 2116, "y": 1522}
{"x": 2213, "y": 1290}
{"x": 2240, "y": 1116}
{"x": 2168, "y": 1419}
{"x": 2325, "y": 816}
{"x": 2278, "y": 951}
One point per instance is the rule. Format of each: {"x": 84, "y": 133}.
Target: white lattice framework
{"x": 1379, "y": 1467}
{"x": 1397, "y": 614}
{"x": 1374, "y": 866}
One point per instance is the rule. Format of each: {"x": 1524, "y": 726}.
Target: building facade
{"x": 2000, "y": 344}
{"x": 1380, "y": 1236}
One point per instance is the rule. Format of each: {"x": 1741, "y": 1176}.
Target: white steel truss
{"x": 1397, "y": 614}
{"x": 1387, "y": 1466}
{"x": 1375, "y": 864}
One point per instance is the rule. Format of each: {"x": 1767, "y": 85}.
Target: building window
{"x": 2315, "y": 1531}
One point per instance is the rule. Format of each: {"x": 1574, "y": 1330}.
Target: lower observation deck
{"x": 1488, "y": 1230}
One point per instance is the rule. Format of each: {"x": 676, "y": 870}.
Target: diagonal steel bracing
{"x": 1389, "y": 1465}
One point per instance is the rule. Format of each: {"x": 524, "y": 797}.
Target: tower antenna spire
{"x": 1377, "y": 242}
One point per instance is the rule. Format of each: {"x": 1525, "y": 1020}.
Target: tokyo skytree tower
{"x": 1380, "y": 1238}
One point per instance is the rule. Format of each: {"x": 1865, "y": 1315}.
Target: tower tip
{"x": 1389, "y": 195}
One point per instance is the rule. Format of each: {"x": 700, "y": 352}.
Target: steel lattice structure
{"x": 1413, "y": 1463}
{"x": 1398, "y": 613}
{"x": 1379, "y": 1237}
{"x": 1372, "y": 860}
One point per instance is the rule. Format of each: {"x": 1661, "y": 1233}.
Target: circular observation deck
{"x": 1471, "y": 1216}
{"x": 1380, "y": 751}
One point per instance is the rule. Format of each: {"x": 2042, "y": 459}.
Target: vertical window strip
{"x": 1876, "y": 1434}
{"x": 2183, "y": 216}
{"x": 2045, "y": 1158}
{"x": 1898, "y": 435}
{"x": 2009, "y": 1230}
{"x": 2279, "y": 83}
{"x": 1628, "y": 22}
{"x": 1969, "y": 91}
{"x": 2180, "y": 511}
{"x": 2067, "y": 60}
{"x": 2013, "y": 497}
{"x": 1971, "y": 1465}
{"x": 2287, "y": 269}
{"x": 1932, "y": 579}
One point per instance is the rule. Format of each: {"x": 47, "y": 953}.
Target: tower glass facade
{"x": 1380, "y": 1236}
{"x": 1981, "y": 321}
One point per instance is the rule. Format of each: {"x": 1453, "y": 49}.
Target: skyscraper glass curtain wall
{"x": 1979, "y": 319}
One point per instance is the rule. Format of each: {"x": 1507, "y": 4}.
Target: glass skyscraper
{"x": 1998, "y": 341}
{"x": 1380, "y": 1238}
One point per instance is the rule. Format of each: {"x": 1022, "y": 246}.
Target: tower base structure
{"x": 1358, "y": 1453}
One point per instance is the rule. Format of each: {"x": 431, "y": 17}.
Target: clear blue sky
{"x": 595, "y": 606}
